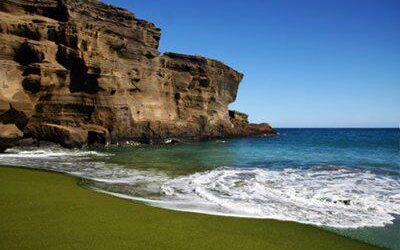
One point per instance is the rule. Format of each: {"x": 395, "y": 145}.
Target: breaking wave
{"x": 338, "y": 197}
{"x": 332, "y": 196}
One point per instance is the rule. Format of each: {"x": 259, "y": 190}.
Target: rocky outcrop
{"x": 244, "y": 128}
{"x": 81, "y": 71}
{"x": 9, "y": 135}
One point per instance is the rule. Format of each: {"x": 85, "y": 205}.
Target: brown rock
{"x": 4, "y": 105}
{"x": 262, "y": 129}
{"x": 242, "y": 127}
{"x": 9, "y": 134}
{"x": 65, "y": 136}
{"x": 238, "y": 117}
{"x": 77, "y": 72}
{"x": 10, "y": 131}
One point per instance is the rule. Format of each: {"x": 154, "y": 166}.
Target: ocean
{"x": 343, "y": 180}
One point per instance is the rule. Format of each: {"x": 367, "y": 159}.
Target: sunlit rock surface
{"x": 76, "y": 72}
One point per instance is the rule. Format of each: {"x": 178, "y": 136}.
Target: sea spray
{"x": 335, "y": 196}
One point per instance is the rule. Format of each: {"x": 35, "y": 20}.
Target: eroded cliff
{"x": 81, "y": 71}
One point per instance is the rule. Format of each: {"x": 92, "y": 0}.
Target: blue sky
{"x": 310, "y": 63}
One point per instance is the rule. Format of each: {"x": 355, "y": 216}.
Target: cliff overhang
{"x": 78, "y": 72}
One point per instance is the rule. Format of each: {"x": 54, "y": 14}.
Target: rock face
{"x": 81, "y": 71}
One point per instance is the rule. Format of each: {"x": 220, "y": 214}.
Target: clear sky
{"x": 310, "y": 63}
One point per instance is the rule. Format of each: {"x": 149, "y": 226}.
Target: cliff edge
{"x": 81, "y": 71}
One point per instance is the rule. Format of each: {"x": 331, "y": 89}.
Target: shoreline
{"x": 105, "y": 221}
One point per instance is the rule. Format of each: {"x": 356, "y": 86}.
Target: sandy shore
{"x": 42, "y": 210}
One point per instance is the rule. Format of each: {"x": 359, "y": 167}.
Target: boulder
{"x": 69, "y": 137}
{"x": 9, "y": 135}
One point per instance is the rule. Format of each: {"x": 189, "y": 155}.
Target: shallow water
{"x": 346, "y": 180}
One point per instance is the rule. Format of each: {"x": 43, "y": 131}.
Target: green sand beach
{"x": 43, "y": 210}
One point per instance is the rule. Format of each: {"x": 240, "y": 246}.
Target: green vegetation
{"x": 42, "y": 210}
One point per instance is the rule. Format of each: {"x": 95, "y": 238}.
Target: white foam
{"x": 337, "y": 197}
{"x": 47, "y": 153}
{"x": 331, "y": 196}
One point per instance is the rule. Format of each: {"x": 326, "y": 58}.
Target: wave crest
{"x": 337, "y": 197}
{"x": 331, "y": 196}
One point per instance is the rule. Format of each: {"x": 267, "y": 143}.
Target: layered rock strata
{"x": 81, "y": 71}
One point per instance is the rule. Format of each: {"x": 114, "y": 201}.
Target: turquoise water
{"x": 345, "y": 180}
{"x": 374, "y": 149}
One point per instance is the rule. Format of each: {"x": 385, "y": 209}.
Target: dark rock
{"x": 97, "y": 135}
{"x": 13, "y": 116}
{"x": 172, "y": 141}
{"x": 27, "y": 142}
{"x": 9, "y": 135}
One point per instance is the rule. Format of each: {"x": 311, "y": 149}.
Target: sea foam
{"x": 332, "y": 196}
{"x": 336, "y": 198}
